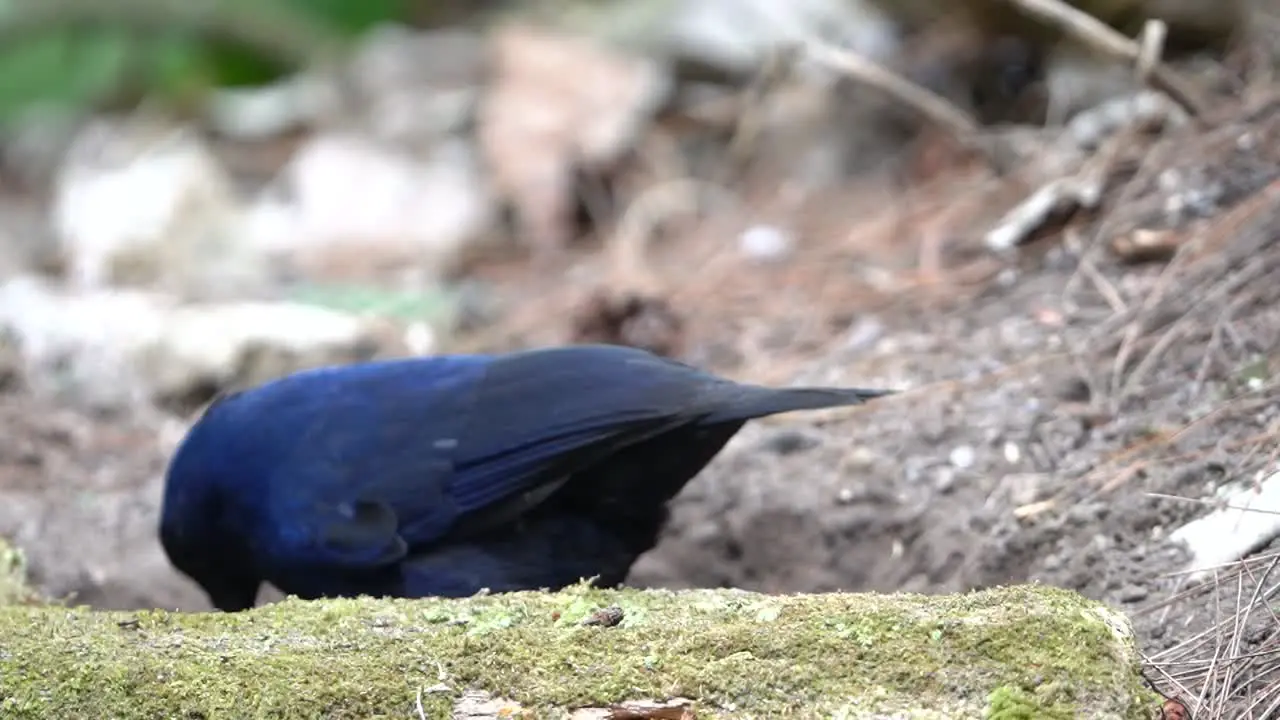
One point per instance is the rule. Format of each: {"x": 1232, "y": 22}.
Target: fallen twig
{"x": 1096, "y": 34}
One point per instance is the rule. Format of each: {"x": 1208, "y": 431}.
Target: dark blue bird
{"x": 442, "y": 476}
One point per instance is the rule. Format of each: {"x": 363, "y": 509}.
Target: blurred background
{"x": 1074, "y": 278}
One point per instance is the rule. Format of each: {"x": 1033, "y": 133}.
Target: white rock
{"x": 351, "y": 198}
{"x": 83, "y": 346}
{"x": 273, "y": 224}
{"x": 117, "y": 348}
{"x": 259, "y": 112}
{"x": 1249, "y": 520}
{"x": 142, "y": 204}
{"x": 212, "y": 344}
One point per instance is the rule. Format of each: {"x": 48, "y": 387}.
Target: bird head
{"x": 231, "y": 583}
{"x": 197, "y": 524}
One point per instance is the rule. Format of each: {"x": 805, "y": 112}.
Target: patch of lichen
{"x": 736, "y": 653}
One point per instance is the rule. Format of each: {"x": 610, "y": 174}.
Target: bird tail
{"x": 754, "y": 401}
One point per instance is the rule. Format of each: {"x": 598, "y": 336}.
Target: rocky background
{"x": 1062, "y": 249}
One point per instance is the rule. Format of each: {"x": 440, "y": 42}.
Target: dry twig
{"x": 1231, "y": 669}
{"x": 1098, "y": 35}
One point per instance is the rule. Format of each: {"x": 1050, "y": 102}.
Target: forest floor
{"x": 1056, "y": 404}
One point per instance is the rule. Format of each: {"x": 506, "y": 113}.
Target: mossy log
{"x": 1010, "y": 653}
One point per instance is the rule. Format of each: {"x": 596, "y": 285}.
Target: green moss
{"x": 1016, "y": 703}
{"x": 1009, "y": 653}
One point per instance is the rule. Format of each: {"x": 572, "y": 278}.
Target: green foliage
{"x": 352, "y": 16}
{"x": 76, "y": 54}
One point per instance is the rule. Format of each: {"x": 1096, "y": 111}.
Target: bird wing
{"x": 413, "y": 461}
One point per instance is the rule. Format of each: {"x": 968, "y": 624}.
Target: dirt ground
{"x": 1045, "y": 397}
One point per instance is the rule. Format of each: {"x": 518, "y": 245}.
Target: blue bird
{"x": 442, "y": 476}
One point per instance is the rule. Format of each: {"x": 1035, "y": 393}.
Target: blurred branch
{"x": 1098, "y": 35}
{"x": 928, "y": 103}
{"x": 937, "y": 109}
{"x": 999, "y": 154}
{"x": 779, "y": 67}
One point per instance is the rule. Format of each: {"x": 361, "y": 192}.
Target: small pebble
{"x": 765, "y": 242}
{"x": 864, "y": 333}
{"x": 962, "y": 457}
{"x": 1025, "y": 489}
{"x": 944, "y": 480}
{"x": 790, "y": 442}
{"x": 1133, "y": 593}
{"x": 1083, "y": 514}
{"x": 860, "y": 458}
{"x": 419, "y": 338}
{"x": 1074, "y": 390}
{"x": 1012, "y": 453}
{"x": 606, "y": 617}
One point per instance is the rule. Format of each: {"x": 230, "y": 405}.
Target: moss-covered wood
{"x": 1010, "y": 653}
